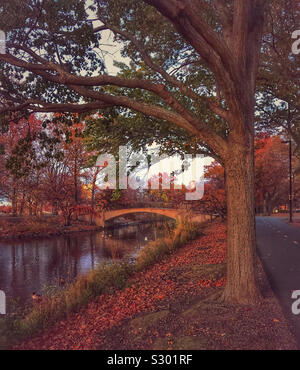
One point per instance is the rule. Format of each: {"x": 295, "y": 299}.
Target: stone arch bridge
{"x": 100, "y": 218}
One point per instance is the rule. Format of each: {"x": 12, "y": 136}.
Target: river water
{"x": 30, "y": 265}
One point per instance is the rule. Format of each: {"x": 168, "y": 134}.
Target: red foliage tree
{"x": 271, "y": 173}
{"x": 214, "y": 199}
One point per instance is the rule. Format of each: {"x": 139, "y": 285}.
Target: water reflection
{"x": 26, "y": 266}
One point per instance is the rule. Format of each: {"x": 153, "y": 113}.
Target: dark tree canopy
{"x": 278, "y": 102}
{"x": 177, "y": 73}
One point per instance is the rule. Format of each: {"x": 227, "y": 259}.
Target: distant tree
{"x": 277, "y": 103}
{"x": 214, "y": 199}
{"x": 18, "y": 159}
{"x": 271, "y": 173}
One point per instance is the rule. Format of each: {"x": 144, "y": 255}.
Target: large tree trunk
{"x": 241, "y": 284}
{"x": 14, "y": 201}
{"x": 22, "y": 204}
{"x": 54, "y": 209}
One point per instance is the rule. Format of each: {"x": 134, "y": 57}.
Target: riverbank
{"x": 36, "y": 227}
{"x": 173, "y": 304}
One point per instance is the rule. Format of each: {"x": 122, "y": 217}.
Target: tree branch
{"x": 74, "y": 82}
{"x": 206, "y": 43}
{"x": 148, "y": 60}
{"x": 182, "y": 118}
{"x": 40, "y": 106}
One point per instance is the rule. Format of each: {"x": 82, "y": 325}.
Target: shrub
{"x": 5, "y": 209}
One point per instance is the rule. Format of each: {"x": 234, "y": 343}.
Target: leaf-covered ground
{"x": 174, "y": 305}
{"x": 34, "y": 226}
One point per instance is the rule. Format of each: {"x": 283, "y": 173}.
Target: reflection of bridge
{"x": 100, "y": 218}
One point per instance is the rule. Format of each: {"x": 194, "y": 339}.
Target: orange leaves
{"x": 149, "y": 290}
{"x": 5, "y": 209}
{"x": 205, "y": 283}
{"x": 220, "y": 282}
{"x": 271, "y": 172}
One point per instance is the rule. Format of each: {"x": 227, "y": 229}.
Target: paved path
{"x": 278, "y": 245}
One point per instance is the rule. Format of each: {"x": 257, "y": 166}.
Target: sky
{"x": 112, "y": 53}
{"x": 110, "y": 48}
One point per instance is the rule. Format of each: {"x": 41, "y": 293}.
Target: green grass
{"x": 59, "y": 303}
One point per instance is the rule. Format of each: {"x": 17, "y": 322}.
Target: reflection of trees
{"x": 76, "y": 255}
{"x": 36, "y": 271}
{"x": 64, "y": 255}
{"x": 13, "y": 263}
{"x": 92, "y": 247}
{"x": 116, "y": 248}
{"x": 55, "y": 256}
{"x": 26, "y": 266}
{"x": 23, "y": 259}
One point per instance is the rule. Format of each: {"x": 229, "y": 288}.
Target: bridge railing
{"x": 145, "y": 205}
{"x": 184, "y": 205}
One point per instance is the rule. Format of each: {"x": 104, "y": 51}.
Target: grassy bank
{"x": 105, "y": 279}
{"x": 36, "y": 227}
{"x": 173, "y": 304}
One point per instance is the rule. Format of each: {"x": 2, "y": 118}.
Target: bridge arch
{"x": 108, "y": 215}
{"x": 100, "y": 218}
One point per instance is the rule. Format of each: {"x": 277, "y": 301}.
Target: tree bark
{"x": 241, "y": 284}
{"x": 54, "y": 208}
{"x": 22, "y": 204}
{"x": 14, "y": 201}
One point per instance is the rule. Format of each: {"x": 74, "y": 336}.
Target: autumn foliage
{"x": 5, "y": 209}
{"x": 145, "y": 293}
{"x": 272, "y": 173}
{"x": 49, "y": 169}
{"x": 46, "y": 167}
